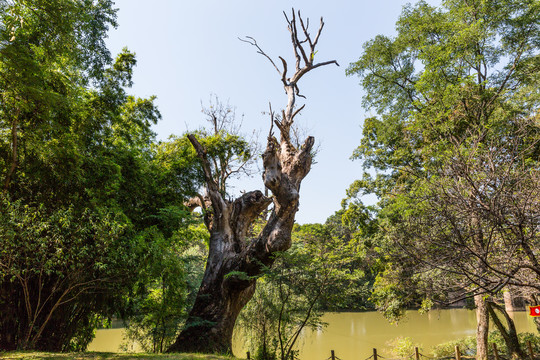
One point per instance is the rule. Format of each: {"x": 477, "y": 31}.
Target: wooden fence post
{"x": 248, "y": 355}
{"x": 495, "y": 352}
{"x": 416, "y": 353}
{"x": 458, "y": 354}
{"x": 333, "y": 355}
{"x": 531, "y": 353}
{"x": 374, "y": 354}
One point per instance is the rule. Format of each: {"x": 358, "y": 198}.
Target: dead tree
{"x": 234, "y": 261}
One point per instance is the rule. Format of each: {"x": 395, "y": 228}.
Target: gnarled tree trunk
{"x": 234, "y": 261}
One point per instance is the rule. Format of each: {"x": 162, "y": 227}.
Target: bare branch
{"x": 195, "y": 202}
{"x": 284, "y": 74}
{"x": 318, "y": 34}
{"x": 298, "y": 110}
{"x": 270, "y": 134}
{"x": 253, "y": 42}
{"x": 201, "y": 153}
{"x": 298, "y": 43}
{"x": 297, "y": 92}
{"x": 305, "y": 29}
{"x": 294, "y": 37}
{"x": 324, "y": 63}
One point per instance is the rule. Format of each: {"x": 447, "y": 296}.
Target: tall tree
{"x": 455, "y": 76}
{"x": 83, "y": 190}
{"x": 236, "y": 258}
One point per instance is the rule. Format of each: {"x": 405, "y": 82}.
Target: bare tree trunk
{"x": 508, "y": 301}
{"x": 228, "y": 281}
{"x": 482, "y": 328}
{"x": 235, "y": 262}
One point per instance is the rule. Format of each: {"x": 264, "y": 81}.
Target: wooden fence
{"x": 417, "y": 355}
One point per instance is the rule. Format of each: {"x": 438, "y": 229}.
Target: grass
{"x": 23, "y": 355}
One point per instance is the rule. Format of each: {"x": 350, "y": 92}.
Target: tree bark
{"x": 210, "y": 325}
{"x": 234, "y": 263}
{"x": 482, "y": 328}
{"x": 227, "y": 285}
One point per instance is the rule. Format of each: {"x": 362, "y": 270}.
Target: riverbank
{"x": 23, "y": 355}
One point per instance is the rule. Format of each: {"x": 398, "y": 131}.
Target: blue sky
{"x": 188, "y": 50}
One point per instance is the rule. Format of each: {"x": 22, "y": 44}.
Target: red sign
{"x": 534, "y": 310}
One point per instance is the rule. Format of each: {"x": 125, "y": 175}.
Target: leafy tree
{"x": 453, "y": 89}
{"x": 85, "y": 191}
{"x": 38, "y": 41}
{"x": 49, "y": 261}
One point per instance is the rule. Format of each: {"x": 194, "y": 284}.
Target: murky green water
{"x": 354, "y": 335}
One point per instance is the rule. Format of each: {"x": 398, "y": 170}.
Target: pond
{"x": 354, "y": 335}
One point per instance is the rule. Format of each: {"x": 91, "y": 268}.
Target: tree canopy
{"x": 457, "y": 84}
{"x": 86, "y": 190}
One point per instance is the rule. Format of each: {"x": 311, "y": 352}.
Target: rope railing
{"x": 429, "y": 357}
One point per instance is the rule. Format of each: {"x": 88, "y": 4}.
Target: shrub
{"x": 402, "y": 347}
{"x": 467, "y": 345}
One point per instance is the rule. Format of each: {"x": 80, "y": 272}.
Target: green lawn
{"x": 20, "y": 355}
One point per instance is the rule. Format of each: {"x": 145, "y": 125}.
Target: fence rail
{"x": 417, "y": 355}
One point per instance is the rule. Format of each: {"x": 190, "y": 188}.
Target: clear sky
{"x": 188, "y": 50}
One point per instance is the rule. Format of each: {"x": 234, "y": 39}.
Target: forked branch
{"x": 304, "y": 52}
{"x": 299, "y": 46}
{"x": 253, "y": 42}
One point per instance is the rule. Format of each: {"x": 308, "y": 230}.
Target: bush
{"x": 467, "y": 345}
{"x": 402, "y": 347}
{"x": 496, "y": 338}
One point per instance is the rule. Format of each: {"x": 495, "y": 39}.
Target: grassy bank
{"x": 20, "y": 355}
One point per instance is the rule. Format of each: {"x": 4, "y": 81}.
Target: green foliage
{"x": 49, "y": 259}
{"x": 454, "y": 90}
{"x": 390, "y": 295}
{"x": 496, "y": 338}
{"x": 90, "y": 204}
{"x": 167, "y": 290}
{"x": 24, "y": 355}
{"x": 467, "y": 345}
{"x": 403, "y": 348}
{"x": 313, "y": 276}
{"x": 441, "y": 73}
